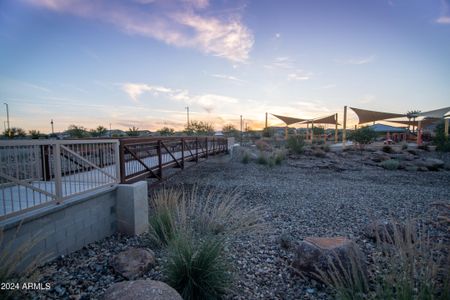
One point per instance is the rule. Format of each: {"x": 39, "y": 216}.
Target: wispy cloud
{"x": 209, "y": 102}
{"x": 356, "y": 61}
{"x": 366, "y": 99}
{"x": 328, "y": 86}
{"x": 228, "y": 77}
{"x": 183, "y": 24}
{"x": 445, "y": 17}
{"x": 299, "y": 75}
{"x": 283, "y": 62}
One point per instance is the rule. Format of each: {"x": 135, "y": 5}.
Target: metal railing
{"x": 34, "y": 173}
{"x": 142, "y": 158}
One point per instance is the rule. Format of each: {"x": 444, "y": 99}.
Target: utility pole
{"x": 344, "y": 129}
{"x": 53, "y": 129}
{"x": 241, "y": 130}
{"x": 110, "y": 133}
{"x": 7, "y": 117}
{"x": 187, "y": 110}
{"x": 266, "y": 121}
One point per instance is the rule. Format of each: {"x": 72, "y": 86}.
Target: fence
{"x": 34, "y": 173}
{"x": 142, "y": 158}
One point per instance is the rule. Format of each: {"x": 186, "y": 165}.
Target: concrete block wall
{"x": 60, "y": 229}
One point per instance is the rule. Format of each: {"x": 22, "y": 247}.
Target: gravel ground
{"x": 297, "y": 201}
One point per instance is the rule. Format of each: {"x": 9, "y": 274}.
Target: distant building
{"x": 396, "y": 134}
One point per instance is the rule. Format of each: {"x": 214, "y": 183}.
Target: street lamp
{"x": 187, "y": 111}
{"x": 7, "y": 116}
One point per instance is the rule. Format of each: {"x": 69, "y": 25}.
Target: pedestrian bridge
{"x": 36, "y": 173}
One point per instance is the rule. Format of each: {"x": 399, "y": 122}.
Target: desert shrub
{"x": 263, "y": 145}
{"x": 16, "y": 262}
{"x": 387, "y": 149}
{"x": 390, "y": 164}
{"x": 279, "y": 156}
{"x": 363, "y": 136}
{"x": 197, "y": 270}
{"x": 413, "y": 266}
{"x": 424, "y": 147}
{"x": 296, "y": 144}
{"x": 440, "y": 140}
{"x": 325, "y": 148}
{"x": 319, "y": 153}
{"x": 245, "y": 158}
{"x": 262, "y": 159}
{"x": 206, "y": 212}
{"x": 349, "y": 280}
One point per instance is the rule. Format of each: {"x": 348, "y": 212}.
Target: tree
{"x": 166, "y": 131}
{"x": 78, "y": 132}
{"x": 317, "y": 130}
{"x": 134, "y": 131}
{"x": 230, "y": 130}
{"x": 412, "y": 114}
{"x": 440, "y": 140}
{"x": 14, "y": 132}
{"x": 363, "y": 136}
{"x": 199, "y": 128}
{"x": 99, "y": 131}
{"x": 35, "y": 134}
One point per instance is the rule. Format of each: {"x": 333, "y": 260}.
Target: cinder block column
{"x": 132, "y": 208}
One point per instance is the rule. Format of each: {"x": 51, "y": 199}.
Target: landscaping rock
{"x": 133, "y": 262}
{"x": 383, "y": 230}
{"x": 432, "y": 164}
{"x": 141, "y": 289}
{"x": 379, "y": 156}
{"x": 326, "y": 254}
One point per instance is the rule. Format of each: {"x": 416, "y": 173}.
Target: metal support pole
{"x": 312, "y": 131}
{"x": 336, "y": 130}
{"x": 241, "y": 130}
{"x": 206, "y": 142}
{"x": 57, "y": 170}
{"x": 119, "y": 166}
{"x": 446, "y": 128}
{"x": 196, "y": 149}
{"x": 158, "y": 149}
{"x": 419, "y": 133}
{"x": 7, "y": 119}
{"x": 344, "y": 129}
{"x": 286, "y": 132}
{"x": 266, "y": 121}
{"x": 182, "y": 153}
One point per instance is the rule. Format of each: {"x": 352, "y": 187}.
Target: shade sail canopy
{"x": 324, "y": 120}
{"x": 366, "y": 116}
{"x": 289, "y": 120}
{"x": 437, "y": 113}
{"x": 424, "y": 122}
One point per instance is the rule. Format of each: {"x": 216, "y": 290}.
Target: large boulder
{"x": 141, "y": 289}
{"x": 133, "y": 262}
{"x": 379, "y": 156}
{"x": 384, "y": 230}
{"x": 316, "y": 255}
{"x": 432, "y": 164}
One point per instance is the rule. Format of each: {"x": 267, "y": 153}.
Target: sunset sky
{"x": 141, "y": 62}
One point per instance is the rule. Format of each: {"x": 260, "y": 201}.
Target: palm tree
{"x": 134, "y": 131}
{"x": 412, "y": 114}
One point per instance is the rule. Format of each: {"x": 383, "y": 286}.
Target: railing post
{"x": 182, "y": 153}
{"x": 196, "y": 149}
{"x": 46, "y": 175}
{"x": 58, "y": 181}
{"x": 158, "y": 149}
{"x": 120, "y": 162}
{"x": 206, "y": 139}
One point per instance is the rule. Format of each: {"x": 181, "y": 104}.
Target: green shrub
{"x": 262, "y": 159}
{"x": 245, "y": 158}
{"x": 162, "y": 227}
{"x": 296, "y": 144}
{"x": 440, "y": 140}
{"x": 197, "y": 271}
{"x": 424, "y": 147}
{"x": 279, "y": 156}
{"x": 387, "y": 149}
{"x": 363, "y": 136}
{"x": 390, "y": 164}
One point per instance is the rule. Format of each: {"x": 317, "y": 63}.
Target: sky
{"x": 142, "y": 62}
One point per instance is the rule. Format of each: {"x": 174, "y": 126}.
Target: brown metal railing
{"x": 142, "y": 158}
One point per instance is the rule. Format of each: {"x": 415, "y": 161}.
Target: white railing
{"x": 34, "y": 173}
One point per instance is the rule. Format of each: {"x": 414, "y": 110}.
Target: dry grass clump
{"x": 205, "y": 212}
{"x": 408, "y": 263}
{"x": 16, "y": 262}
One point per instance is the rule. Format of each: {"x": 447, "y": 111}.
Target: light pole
{"x": 241, "y": 129}
{"x": 110, "y": 134}
{"x": 187, "y": 111}
{"x": 7, "y": 117}
{"x": 53, "y": 129}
